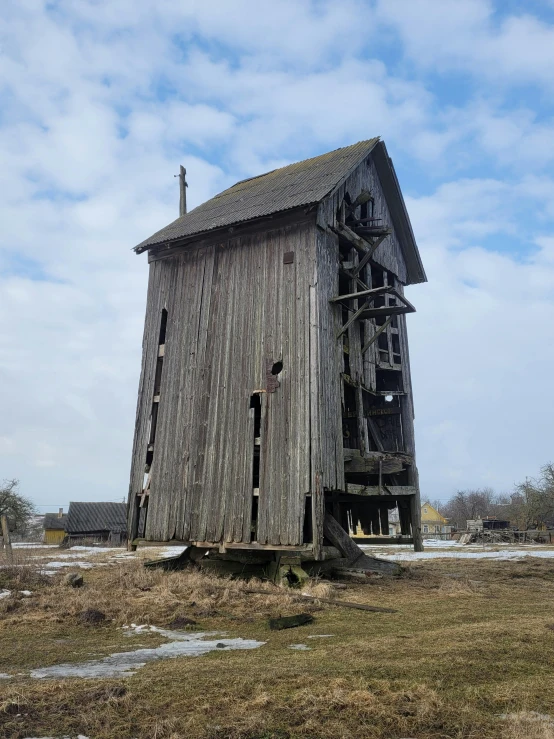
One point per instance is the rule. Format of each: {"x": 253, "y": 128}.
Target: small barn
{"x": 99, "y": 521}
{"x": 275, "y": 391}
{"x": 54, "y": 527}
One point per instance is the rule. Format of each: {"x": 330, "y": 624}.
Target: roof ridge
{"x": 301, "y": 161}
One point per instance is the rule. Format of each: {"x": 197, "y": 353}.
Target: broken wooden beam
{"x": 390, "y": 490}
{"x": 391, "y": 463}
{"x": 330, "y": 601}
{"x": 352, "y": 552}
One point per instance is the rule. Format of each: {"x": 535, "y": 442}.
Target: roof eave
{"x": 399, "y": 213}
{"x": 217, "y": 230}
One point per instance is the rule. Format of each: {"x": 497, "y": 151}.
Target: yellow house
{"x": 54, "y": 527}
{"x": 432, "y": 522}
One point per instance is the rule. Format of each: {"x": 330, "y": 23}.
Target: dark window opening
{"x": 158, "y": 376}
{"x": 277, "y": 368}
{"x": 254, "y": 524}
{"x": 256, "y": 404}
{"x": 367, "y": 210}
{"x": 153, "y": 423}
{"x": 389, "y": 380}
{"x": 256, "y": 410}
{"x": 163, "y": 327}
{"x": 307, "y": 533}
{"x": 378, "y": 277}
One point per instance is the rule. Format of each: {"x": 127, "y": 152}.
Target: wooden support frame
{"x": 376, "y": 335}
{"x": 365, "y": 312}
{"x": 358, "y": 242}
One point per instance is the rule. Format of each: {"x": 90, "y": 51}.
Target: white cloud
{"x": 104, "y": 100}
{"x": 447, "y": 35}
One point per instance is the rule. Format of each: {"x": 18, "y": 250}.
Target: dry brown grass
{"x": 469, "y": 642}
{"x": 528, "y": 725}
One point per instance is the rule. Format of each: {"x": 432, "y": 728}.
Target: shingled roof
{"x": 53, "y": 521}
{"x": 85, "y": 518}
{"x": 300, "y": 184}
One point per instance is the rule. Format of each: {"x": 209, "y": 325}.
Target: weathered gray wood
{"x": 340, "y": 539}
{"x": 332, "y": 602}
{"x": 361, "y": 294}
{"x": 369, "y": 254}
{"x": 391, "y": 463}
{"x": 376, "y": 335}
{"x": 235, "y": 306}
{"x": 182, "y": 190}
{"x": 370, "y": 490}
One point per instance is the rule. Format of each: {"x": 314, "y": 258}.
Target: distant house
{"x": 488, "y": 522}
{"x": 54, "y": 527}
{"x": 100, "y": 521}
{"x": 432, "y": 522}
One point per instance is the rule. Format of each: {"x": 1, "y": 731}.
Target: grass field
{"x": 470, "y": 653}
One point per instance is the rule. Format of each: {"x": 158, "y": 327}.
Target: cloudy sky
{"x": 103, "y": 99}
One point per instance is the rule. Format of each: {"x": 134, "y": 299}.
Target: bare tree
{"x": 470, "y": 504}
{"x": 16, "y": 507}
{"x": 532, "y": 502}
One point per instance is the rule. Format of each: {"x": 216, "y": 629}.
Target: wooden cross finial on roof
{"x": 183, "y": 184}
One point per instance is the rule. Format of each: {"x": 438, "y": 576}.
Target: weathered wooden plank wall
{"x": 365, "y": 177}
{"x": 234, "y": 309}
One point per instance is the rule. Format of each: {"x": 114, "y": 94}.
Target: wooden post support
{"x": 356, "y": 557}
{"x": 133, "y": 531}
{"x": 6, "y": 536}
{"x": 415, "y": 509}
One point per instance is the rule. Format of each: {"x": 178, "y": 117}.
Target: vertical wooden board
{"x": 238, "y": 493}
{"x": 389, "y": 253}
{"x": 163, "y": 496}
{"x": 284, "y": 458}
{"x": 224, "y": 329}
{"x": 265, "y": 341}
{"x": 316, "y": 462}
{"x": 164, "y": 275}
{"x": 154, "y": 303}
{"x": 209, "y": 499}
{"x": 330, "y": 361}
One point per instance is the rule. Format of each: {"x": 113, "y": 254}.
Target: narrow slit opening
{"x": 256, "y": 410}
{"x": 163, "y": 326}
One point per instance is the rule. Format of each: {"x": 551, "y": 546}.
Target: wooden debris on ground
{"x": 354, "y": 557}
{"x": 290, "y": 622}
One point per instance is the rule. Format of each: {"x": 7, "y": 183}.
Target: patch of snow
{"x": 321, "y": 636}
{"x": 528, "y": 716}
{"x": 26, "y": 593}
{"x": 66, "y": 563}
{"x": 172, "y": 551}
{"x": 511, "y": 554}
{"x": 29, "y": 545}
{"x": 127, "y": 663}
{"x": 94, "y": 549}
{"x": 300, "y": 647}
{"x": 4, "y": 593}
{"x": 4, "y": 676}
